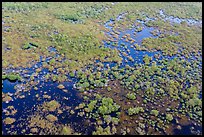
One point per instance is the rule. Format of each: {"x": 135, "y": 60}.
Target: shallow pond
{"x": 173, "y": 19}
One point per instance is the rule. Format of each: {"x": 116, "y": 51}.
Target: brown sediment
{"x": 169, "y": 130}
{"x": 150, "y": 130}
{"x": 6, "y": 98}
{"x": 34, "y": 130}
{"x": 183, "y": 120}
{"x": 37, "y": 120}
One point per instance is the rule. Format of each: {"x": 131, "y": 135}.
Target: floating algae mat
{"x": 101, "y": 68}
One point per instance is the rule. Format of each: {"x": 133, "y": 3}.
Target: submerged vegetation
{"x": 101, "y": 68}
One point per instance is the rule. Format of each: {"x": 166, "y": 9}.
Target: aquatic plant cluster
{"x": 101, "y": 68}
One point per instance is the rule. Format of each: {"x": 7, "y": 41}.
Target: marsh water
{"x": 173, "y": 19}
{"x": 27, "y": 105}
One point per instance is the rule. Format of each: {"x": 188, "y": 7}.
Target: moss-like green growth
{"x": 26, "y": 46}
{"x": 147, "y": 59}
{"x": 102, "y": 131}
{"x": 72, "y": 18}
{"x": 136, "y": 110}
{"x": 29, "y": 45}
{"x": 12, "y": 77}
{"x": 52, "y": 61}
{"x": 109, "y": 88}
{"x": 115, "y": 120}
{"x": 108, "y": 106}
{"x": 92, "y": 104}
{"x": 86, "y": 98}
{"x": 102, "y": 107}
{"x": 98, "y": 96}
{"x": 4, "y": 77}
{"x": 92, "y": 81}
{"x": 71, "y": 74}
{"x": 154, "y": 112}
{"x": 131, "y": 96}
{"x": 66, "y": 131}
{"x": 107, "y": 118}
{"x": 169, "y": 117}
{"x": 194, "y": 102}
{"x": 54, "y": 77}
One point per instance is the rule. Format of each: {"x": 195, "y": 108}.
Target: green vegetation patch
{"x": 12, "y": 77}
{"x": 72, "y": 18}
{"x": 154, "y": 112}
{"x": 108, "y": 106}
{"x": 131, "y": 96}
{"x": 136, "y": 110}
{"x": 29, "y": 45}
{"x": 66, "y": 130}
